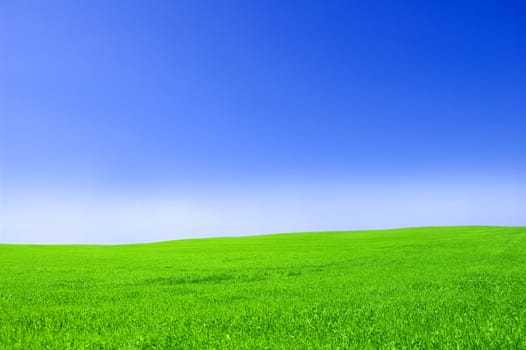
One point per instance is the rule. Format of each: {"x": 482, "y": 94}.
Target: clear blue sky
{"x": 161, "y": 96}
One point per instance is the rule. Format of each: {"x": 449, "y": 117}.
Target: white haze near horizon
{"x": 106, "y": 217}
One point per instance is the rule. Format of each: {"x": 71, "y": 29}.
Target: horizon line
{"x": 254, "y": 235}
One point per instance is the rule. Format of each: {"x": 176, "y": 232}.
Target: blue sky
{"x": 223, "y": 105}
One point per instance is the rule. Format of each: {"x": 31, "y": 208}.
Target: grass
{"x": 435, "y": 287}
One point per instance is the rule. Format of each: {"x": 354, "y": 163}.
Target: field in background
{"x": 441, "y": 287}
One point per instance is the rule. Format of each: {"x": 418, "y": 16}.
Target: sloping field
{"x": 435, "y": 287}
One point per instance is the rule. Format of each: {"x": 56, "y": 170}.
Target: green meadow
{"x": 417, "y": 288}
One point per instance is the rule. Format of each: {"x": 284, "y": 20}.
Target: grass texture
{"x": 418, "y": 288}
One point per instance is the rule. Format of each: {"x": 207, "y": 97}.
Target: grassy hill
{"x": 435, "y": 287}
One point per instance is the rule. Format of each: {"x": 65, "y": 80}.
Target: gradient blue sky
{"x": 257, "y": 116}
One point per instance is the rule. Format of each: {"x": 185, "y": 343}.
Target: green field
{"x": 435, "y": 287}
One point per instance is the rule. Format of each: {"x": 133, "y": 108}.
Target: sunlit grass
{"x": 443, "y": 287}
